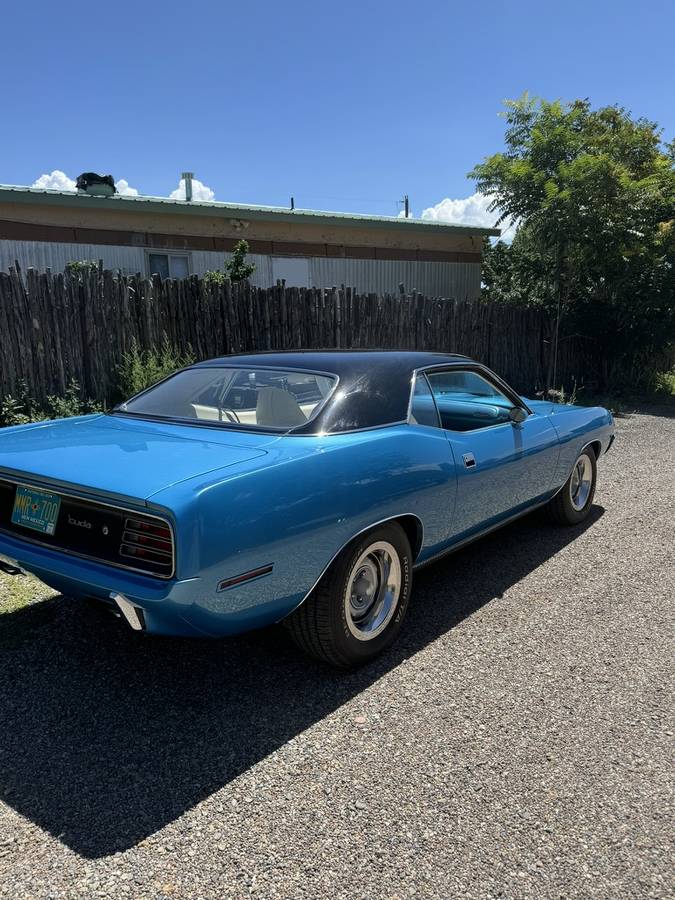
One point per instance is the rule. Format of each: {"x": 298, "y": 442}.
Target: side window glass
{"x": 467, "y": 401}
{"x": 423, "y": 407}
{"x": 469, "y": 384}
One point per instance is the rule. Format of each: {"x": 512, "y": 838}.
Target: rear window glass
{"x": 260, "y": 398}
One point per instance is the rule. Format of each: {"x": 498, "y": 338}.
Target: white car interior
{"x": 246, "y": 399}
{"x": 275, "y": 408}
{"x": 269, "y": 398}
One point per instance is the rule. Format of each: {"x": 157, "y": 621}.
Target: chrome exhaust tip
{"x": 133, "y": 614}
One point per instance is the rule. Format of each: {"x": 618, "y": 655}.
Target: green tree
{"x": 593, "y": 192}
{"x": 236, "y": 268}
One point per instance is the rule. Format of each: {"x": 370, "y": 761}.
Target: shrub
{"x": 81, "y": 266}
{"x": 215, "y": 277}
{"x": 21, "y": 409}
{"x": 24, "y": 408}
{"x": 664, "y": 383}
{"x": 12, "y": 412}
{"x": 141, "y": 368}
{"x": 236, "y": 268}
{"x": 71, "y": 404}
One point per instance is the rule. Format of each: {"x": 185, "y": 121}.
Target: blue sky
{"x": 345, "y": 105}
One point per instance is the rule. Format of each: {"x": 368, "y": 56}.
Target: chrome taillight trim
{"x": 125, "y": 551}
{"x": 128, "y": 536}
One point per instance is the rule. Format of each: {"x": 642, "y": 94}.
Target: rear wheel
{"x": 573, "y": 502}
{"x": 358, "y": 607}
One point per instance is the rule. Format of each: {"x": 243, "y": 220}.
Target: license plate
{"x": 36, "y": 509}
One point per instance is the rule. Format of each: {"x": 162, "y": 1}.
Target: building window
{"x": 169, "y": 265}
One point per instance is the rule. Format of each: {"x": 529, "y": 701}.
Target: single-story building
{"x": 46, "y": 228}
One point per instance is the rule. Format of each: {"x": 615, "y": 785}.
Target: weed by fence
{"x": 78, "y": 326}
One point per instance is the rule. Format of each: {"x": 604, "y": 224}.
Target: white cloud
{"x": 200, "y": 191}
{"x": 55, "y": 181}
{"x": 471, "y": 211}
{"x": 59, "y": 181}
{"x": 125, "y": 189}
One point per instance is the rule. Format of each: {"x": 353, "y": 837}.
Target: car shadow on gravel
{"x": 105, "y": 736}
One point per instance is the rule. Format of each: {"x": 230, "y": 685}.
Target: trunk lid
{"x": 121, "y": 457}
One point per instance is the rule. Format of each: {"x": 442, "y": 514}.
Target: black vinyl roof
{"x": 373, "y": 389}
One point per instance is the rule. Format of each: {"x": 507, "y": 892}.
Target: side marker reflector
{"x": 244, "y": 577}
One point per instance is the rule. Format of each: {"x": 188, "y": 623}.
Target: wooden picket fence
{"x": 58, "y": 327}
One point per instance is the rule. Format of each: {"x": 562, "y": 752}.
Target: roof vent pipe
{"x": 187, "y": 178}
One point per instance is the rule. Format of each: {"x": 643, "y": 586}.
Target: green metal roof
{"x": 17, "y": 194}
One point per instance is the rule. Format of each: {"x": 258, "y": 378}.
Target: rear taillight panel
{"x": 100, "y": 531}
{"x": 149, "y": 543}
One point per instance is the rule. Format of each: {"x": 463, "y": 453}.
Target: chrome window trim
{"x": 236, "y": 426}
{"x": 464, "y": 363}
{"x": 96, "y": 559}
{"x": 487, "y": 373}
{"x": 413, "y": 384}
{"x": 413, "y": 381}
{"x": 490, "y": 377}
{"x": 325, "y": 434}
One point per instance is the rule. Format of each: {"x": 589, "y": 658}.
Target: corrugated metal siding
{"x": 129, "y": 260}
{"x": 41, "y": 255}
{"x": 208, "y": 260}
{"x": 437, "y": 279}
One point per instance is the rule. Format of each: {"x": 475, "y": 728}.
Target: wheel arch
{"x": 414, "y": 530}
{"x": 410, "y": 523}
{"x": 596, "y": 447}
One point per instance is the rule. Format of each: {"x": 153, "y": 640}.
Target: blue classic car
{"x": 304, "y": 487}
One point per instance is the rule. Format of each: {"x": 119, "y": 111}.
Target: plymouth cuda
{"x": 303, "y": 487}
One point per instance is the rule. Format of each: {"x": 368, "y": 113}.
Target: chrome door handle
{"x": 469, "y": 460}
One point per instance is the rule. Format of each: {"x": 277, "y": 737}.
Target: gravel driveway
{"x": 516, "y": 743}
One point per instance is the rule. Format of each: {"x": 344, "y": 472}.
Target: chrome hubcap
{"x": 581, "y": 482}
{"x": 373, "y": 591}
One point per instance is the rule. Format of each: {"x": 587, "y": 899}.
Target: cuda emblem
{"x": 79, "y": 523}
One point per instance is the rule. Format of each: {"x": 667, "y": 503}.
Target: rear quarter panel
{"x": 296, "y": 510}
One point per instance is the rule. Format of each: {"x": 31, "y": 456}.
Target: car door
{"x": 502, "y": 466}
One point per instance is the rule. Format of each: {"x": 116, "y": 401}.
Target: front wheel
{"x": 358, "y": 607}
{"x": 573, "y": 502}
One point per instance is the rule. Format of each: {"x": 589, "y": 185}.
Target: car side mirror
{"x": 517, "y": 415}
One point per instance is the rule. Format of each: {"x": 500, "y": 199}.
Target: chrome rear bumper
{"x": 132, "y": 613}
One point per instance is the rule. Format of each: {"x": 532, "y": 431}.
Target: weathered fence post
{"x": 56, "y": 328}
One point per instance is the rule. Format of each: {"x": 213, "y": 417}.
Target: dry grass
{"x": 17, "y": 591}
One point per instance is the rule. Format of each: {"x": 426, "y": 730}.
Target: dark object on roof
{"x": 96, "y": 184}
